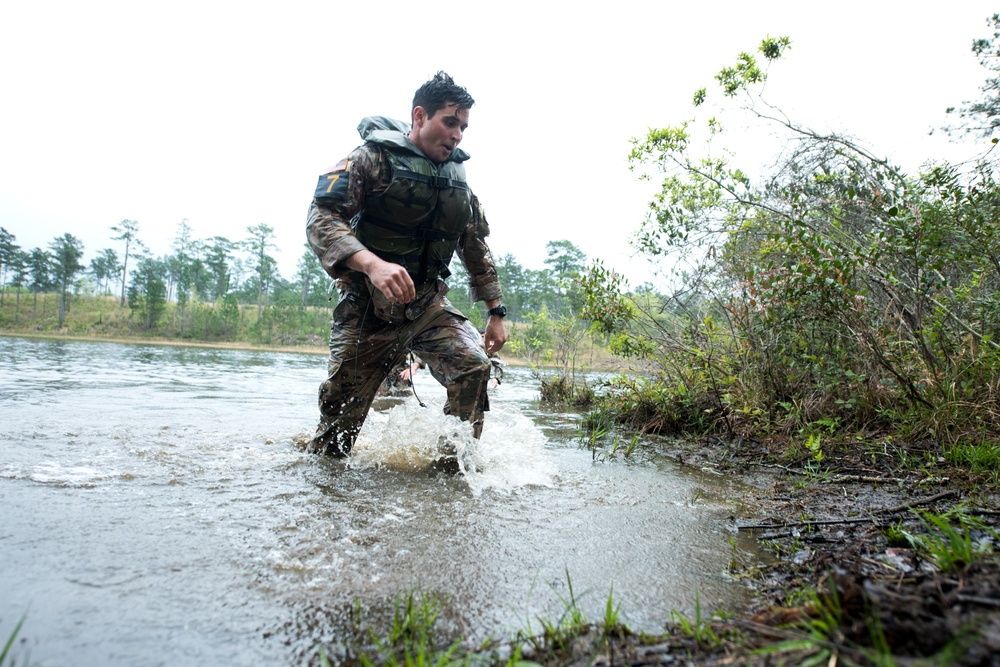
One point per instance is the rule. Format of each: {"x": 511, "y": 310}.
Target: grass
{"x": 598, "y": 435}
{"x": 979, "y": 458}
{"x": 821, "y": 635}
{"x": 948, "y": 540}
{"x": 415, "y": 638}
{"x": 5, "y": 656}
{"x": 698, "y": 628}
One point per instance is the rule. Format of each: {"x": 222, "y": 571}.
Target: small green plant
{"x": 698, "y": 628}
{"x": 947, "y": 542}
{"x": 611, "y": 625}
{"x": 559, "y": 637}
{"x": 570, "y": 624}
{"x": 593, "y": 438}
{"x": 10, "y": 642}
{"x": 983, "y": 457}
{"x": 895, "y": 535}
{"x": 632, "y": 445}
{"x": 412, "y": 640}
{"x": 822, "y": 634}
{"x": 815, "y": 447}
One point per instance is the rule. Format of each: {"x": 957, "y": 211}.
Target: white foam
{"x": 511, "y": 453}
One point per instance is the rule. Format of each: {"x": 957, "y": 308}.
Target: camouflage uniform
{"x": 370, "y": 336}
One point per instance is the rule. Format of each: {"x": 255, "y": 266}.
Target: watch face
{"x": 500, "y": 310}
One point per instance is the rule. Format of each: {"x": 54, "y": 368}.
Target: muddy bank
{"x": 845, "y": 587}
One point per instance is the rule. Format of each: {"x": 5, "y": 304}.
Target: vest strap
{"x": 439, "y": 182}
{"x": 418, "y": 233}
{"x": 436, "y": 270}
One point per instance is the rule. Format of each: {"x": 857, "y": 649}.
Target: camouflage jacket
{"x": 331, "y": 236}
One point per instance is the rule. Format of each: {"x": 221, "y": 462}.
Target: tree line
{"x": 200, "y": 288}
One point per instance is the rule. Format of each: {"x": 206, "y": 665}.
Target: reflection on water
{"x": 159, "y": 511}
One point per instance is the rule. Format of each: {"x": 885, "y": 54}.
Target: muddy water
{"x": 157, "y": 510}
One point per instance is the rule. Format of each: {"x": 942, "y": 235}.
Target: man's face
{"x": 438, "y": 136}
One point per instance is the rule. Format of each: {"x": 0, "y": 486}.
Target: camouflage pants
{"x": 365, "y": 349}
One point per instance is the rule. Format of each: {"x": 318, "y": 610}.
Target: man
{"x": 385, "y": 224}
{"x": 399, "y": 378}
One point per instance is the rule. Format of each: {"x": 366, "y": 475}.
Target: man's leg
{"x": 360, "y": 359}
{"x": 453, "y": 350}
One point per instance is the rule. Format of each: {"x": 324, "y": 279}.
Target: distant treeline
{"x": 217, "y": 290}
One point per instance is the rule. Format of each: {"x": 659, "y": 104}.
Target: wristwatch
{"x": 499, "y": 311}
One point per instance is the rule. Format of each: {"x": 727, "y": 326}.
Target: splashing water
{"x": 405, "y": 436}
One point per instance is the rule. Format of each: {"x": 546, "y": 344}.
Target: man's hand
{"x": 496, "y": 334}
{"x": 390, "y": 279}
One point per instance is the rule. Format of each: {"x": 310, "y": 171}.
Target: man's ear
{"x": 419, "y": 115}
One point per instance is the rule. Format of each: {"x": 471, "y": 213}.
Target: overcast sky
{"x": 224, "y": 113}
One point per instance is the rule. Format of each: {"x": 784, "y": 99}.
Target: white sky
{"x": 224, "y": 113}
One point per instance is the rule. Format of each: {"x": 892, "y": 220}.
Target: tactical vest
{"x": 418, "y": 220}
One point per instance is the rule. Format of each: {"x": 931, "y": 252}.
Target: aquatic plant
{"x": 5, "y": 653}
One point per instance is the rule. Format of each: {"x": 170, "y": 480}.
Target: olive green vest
{"x": 419, "y": 219}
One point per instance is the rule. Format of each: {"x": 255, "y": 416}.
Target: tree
{"x": 982, "y": 117}
{"x": 18, "y": 266}
{"x": 263, "y": 265}
{"x": 128, "y": 232}
{"x": 67, "y": 250}
{"x": 316, "y": 285}
{"x": 511, "y": 276}
{"x": 566, "y": 262}
{"x": 8, "y": 249}
{"x": 564, "y": 259}
{"x": 104, "y": 267}
{"x": 40, "y": 268}
{"x": 183, "y": 267}
{"x": 218, "y": 255}
{"x": 147, "y": 293}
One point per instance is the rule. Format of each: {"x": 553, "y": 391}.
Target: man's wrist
{"x": 498, "y": 310}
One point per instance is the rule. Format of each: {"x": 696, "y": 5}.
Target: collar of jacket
{"x": 393, "y": 133}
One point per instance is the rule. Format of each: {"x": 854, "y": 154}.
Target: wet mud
{"x": 844, "y": 587}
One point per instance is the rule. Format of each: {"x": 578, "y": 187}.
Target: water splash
{"x": 510, "y": 455}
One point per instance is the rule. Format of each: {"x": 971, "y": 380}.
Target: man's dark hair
{"x": 440, "y": 91}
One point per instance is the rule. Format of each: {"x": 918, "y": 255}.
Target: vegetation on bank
{"x": 833, "y": 295}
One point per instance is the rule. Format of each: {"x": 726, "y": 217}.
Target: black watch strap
{"x": 499, "y": 311}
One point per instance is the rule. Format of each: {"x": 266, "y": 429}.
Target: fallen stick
{"x": 834, "y": 522}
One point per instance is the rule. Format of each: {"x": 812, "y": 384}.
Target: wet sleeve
{"x": 339, "y": 196}
{"x": 476, "y": 256}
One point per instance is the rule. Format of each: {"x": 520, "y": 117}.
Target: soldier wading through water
{"x": 385, "y": 223}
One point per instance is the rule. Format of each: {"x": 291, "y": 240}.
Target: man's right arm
{"x": 340, "y": 194}
{"x": 329, "y": 230}
{"x": 390, "y": 279}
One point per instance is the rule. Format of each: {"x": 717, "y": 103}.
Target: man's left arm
{"x": 483, "y": 282}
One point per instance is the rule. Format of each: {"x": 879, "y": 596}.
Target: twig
{"x": 924, "y": 501}
{"x": 976, "y": 599}
{"x": 830, "y": 522}
{"x": 866, "y": 479}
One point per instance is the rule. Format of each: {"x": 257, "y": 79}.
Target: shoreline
{"x": 247, "y": 347}
{"x": 167, "y": 342}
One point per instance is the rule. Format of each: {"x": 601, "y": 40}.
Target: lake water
{"x": 159, "y": 509}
